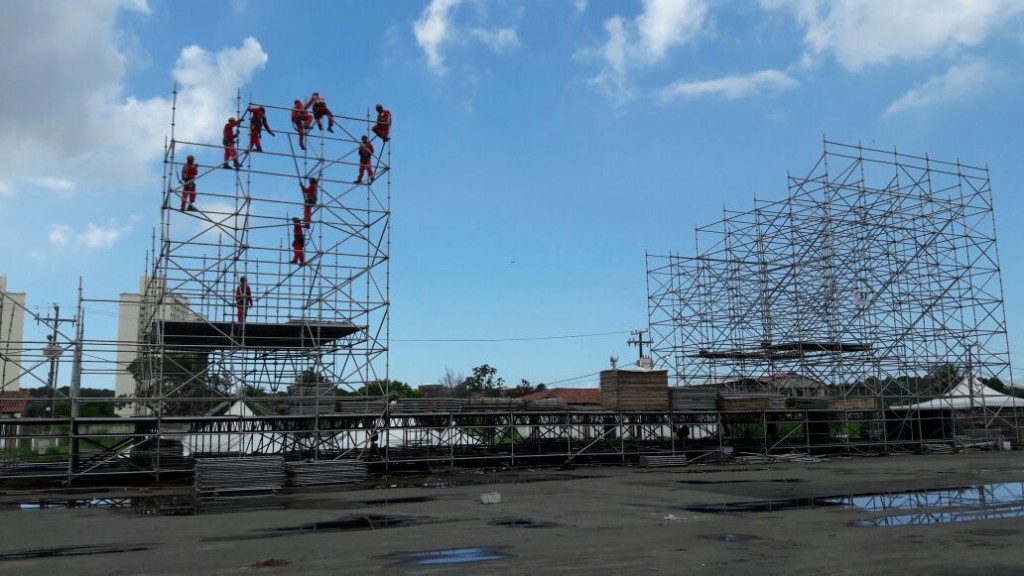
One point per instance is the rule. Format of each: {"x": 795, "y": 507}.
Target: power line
{"x": 571, "y": 379}
{"x": 509, "y": 339}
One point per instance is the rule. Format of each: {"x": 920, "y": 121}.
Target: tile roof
{"x": 13, "y": 401}
{"x": 570, "y": 395}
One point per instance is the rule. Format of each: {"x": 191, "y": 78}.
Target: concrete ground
{"x": 587, "y": 520}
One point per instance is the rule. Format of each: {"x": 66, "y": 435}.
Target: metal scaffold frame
{"x": 875, "y": 274}
{"x": 311, "y": 329}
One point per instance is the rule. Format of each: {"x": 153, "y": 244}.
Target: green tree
{"x": 483, "y": 382}
{"x": 183, "y": 380}
{"x": 524, "y": 388}
{"x": 381, "y": 387}
{"x": 940, "y": 379}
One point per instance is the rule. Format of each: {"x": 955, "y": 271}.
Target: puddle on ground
{"x": 728, "y": 537}
{"x": 166, "y": 505}
{"x": 449, "y": 556}
{"x": 778, "y": 481}
{"x": 939, "y": 506}
{"x": 356, "y": 522}
{"x": 343, "y": 524}
{"x": 60, "y": 504}
{"x": 405, "y": 500}
{"x": 948, "y": 517}
{"x": 519, "y": 523}
{"x": 983, "y": 495}
{"x": 761, "y": 506}
{"x": 73, "y": 551}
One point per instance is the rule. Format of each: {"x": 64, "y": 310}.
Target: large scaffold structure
{"x": 877, "y": 278}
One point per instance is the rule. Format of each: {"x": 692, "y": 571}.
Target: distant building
{"x": 12, "y": 335}
{"x": 434, "y": 390}
{"x": 131, "y": 312}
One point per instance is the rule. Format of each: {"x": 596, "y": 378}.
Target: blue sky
{"x": 540, "y": 148}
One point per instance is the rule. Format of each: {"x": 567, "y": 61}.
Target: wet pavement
{"x": 944, "y": 514}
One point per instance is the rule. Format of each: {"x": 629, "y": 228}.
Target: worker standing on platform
{"x": 309, "y": 200}
{"x": 298, "y": 243}
{"x": 230, "y": 136}
{"x": 320, "y": 110}
{"x": 383, "y": 126}
{"x": 243, "y": 299}
{"x": 302, "y": 122}
{"x": 189, "y": 173}
{"x": 257, "y": 123}
{"x": 365, "y": 160}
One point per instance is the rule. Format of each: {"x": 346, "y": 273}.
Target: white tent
{"x": 255, "y": 438}
{"x": 965, "y": 396}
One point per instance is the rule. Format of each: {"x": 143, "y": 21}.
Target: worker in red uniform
{"x": 243, "y": 299}
{"x": 302, "y": 121}
{"x": 298, "y": 243}
{"x": 230, "y": 136}
{"x": 365, "y": 160}
{"x": 383, "y": 126}
{"x": 257, "y": 123}
{"x": 320, "y": 110}
{"x": 189, "y": 173}
{"x": 309, "y": 199}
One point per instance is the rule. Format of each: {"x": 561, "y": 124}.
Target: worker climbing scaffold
{"x": 257, "y": 123}
{"x": 230, "y": 137}
{"x": 302, "y": 121}
{"x": 189, "y": 173}
{"x": 308, "y": 200}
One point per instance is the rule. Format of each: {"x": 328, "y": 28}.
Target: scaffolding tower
{"x": 878, "y": 274}
{"x": 312, "y": 328}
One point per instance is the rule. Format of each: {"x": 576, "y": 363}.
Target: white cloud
{"x": 863, "y": 33}
{"x": 644, "y": 41}
{"x": 667, "y": 23}
{"x": 580, "y": 6}
{"x": 499, "y": 39}
{"x": 101, "y": 136}
{"x": 732, "y": 87}
{"x": 63, "y": 186}
{"x": 5, "y": 189}
{"x": 60, "y": 234}
{"x": 433, "y": 30}
{"x": 437, "y": 29}
{"x": 957, "y": 83}
{"x": 94, "y": 235}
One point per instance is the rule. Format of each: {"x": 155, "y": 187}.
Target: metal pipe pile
{"x": 225, "y": 484}
{"x": 325, "y": 472}
{"x": 226, "y": 475}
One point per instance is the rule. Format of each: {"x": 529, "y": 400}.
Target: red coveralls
{"x": 243, "y": 298}
{"x": 229, "y": 142}
{"x": 309, "y": 197}
{"x": 257, "y": 122}
{"x": 365, "y": 160}
{"x": 189, "y": 172}
{"x": 302, "y": 122}
{"x": 298, "y": 243}
{"x": 320, "y": 110}
{"x": 383, "y": 126}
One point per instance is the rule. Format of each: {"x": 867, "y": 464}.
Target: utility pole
{"x": 638, "y": 340}
{"x": 52, "y": 352}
